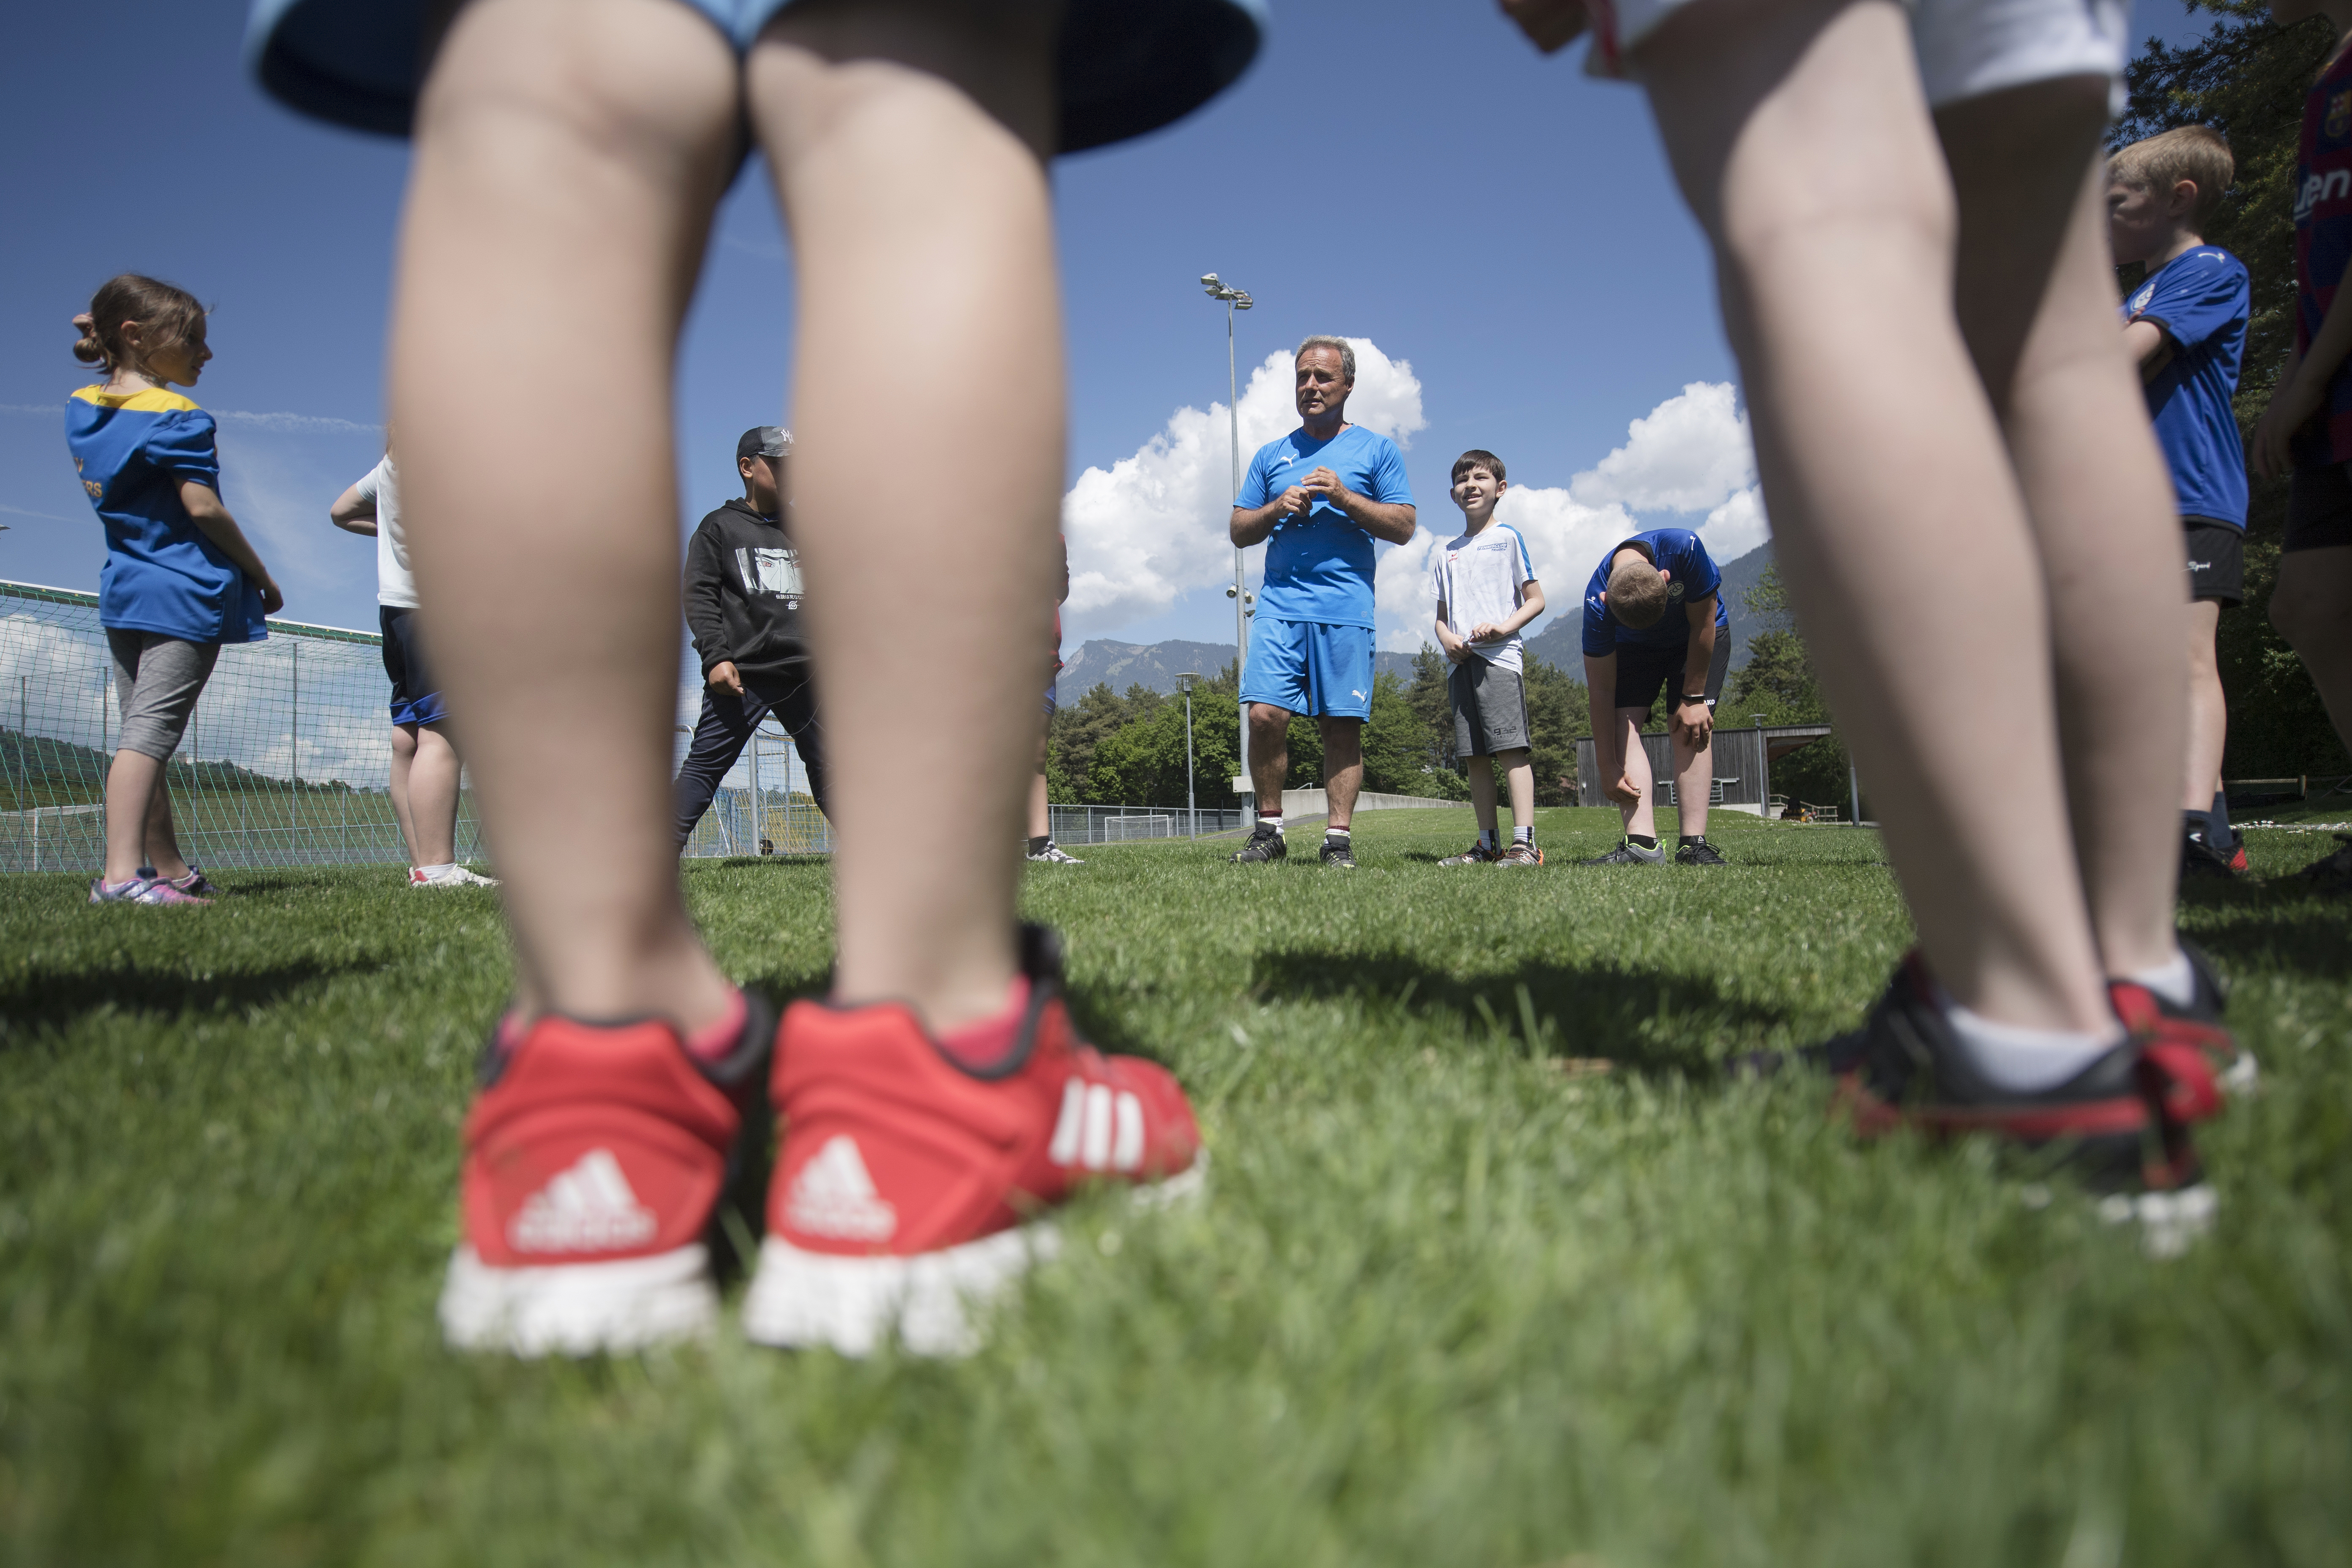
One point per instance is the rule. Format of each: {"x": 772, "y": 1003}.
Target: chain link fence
{"x": 287, "y": 758}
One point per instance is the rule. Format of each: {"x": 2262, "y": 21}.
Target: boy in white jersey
{"x": 1487, "y": 591}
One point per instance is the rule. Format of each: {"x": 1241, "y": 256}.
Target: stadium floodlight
{"x": 1185, "y": 680}
{"x": 1233, "y": 300}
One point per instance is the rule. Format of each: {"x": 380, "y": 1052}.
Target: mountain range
{"x": 1155, "y": 666}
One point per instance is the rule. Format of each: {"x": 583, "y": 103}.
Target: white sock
{"x": 1339, "y": 833}
{"x": 1274, "y": 822}
{"x": 2174, "y": 981}
{"x": 2022, "y": 1060}
{"x": 1486, "y": 838}
{"x": 436, "y": 870}
{"x": 1523, "y": 835}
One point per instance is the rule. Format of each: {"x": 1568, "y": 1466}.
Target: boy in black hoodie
{"x": 742, "y": 604}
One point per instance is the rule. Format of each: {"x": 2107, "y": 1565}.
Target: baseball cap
{"x": 765, "y": 441}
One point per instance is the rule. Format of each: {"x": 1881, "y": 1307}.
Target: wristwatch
{"x": 1690, "y": 697}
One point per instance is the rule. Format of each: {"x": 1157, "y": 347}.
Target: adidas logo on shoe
{"x": 1097, "y": 1130}
{"x": 833, "y": 1195}
{"x": 589, "y": 1208}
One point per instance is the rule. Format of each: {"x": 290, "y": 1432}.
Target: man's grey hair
{"x": 1320, "y": 340}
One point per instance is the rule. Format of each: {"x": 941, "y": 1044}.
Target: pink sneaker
{"x": 139, "y": 891}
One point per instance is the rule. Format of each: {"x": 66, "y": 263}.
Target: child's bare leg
{"x": 2312, "y": 608}
{"x": 2208, "y": 710}
{"x": 907, "y": 142}
{"x": 1693, "y": 788}
{"x": 1519, "y": 767}
{"x": 1480, "y": 776}
{"x": 568, "y": 157}
{"x": 1801, "y": 139}
{"x": 433, "y": 781}
{"x": 131, "y": 784}
{"x": 1641, "y": 816}
{"x": 2035, "y": 295}
{"x": 404, "y": 761}
{"x": 163, "y": 835}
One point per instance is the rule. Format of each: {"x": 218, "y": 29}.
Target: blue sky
{"x": 1411, "y": 176}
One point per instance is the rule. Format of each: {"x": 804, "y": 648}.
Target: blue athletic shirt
{"x": 161, "y": 575}
{"x": 2322, "y": 243}
{"x": 1694, "y": 575}
{"x": 2201, "y": 298}
{"x": 1318, "y": 567}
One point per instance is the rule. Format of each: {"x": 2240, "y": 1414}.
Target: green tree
{"x": 1778, "y": 681}
{"x": 1143, "y": 763}
{"x": 2248, "y": 78}
{"x": 1396, "y": 742}
{"x": 1558, "y": 712}
{"x": 1079, "y": 727}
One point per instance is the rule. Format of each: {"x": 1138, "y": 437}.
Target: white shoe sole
{"x": 808, "y": 1301}
{"x": 2169, "y": 1222}
{"x": 578, "y": 1308}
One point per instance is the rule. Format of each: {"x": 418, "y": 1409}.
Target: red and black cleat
{"x": 2198, "y": 1024}
{"x": 596, "y": 1155}
{"x": 2122, "y": 1121}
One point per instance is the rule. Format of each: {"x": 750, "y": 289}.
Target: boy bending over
{"x": 1653, "y": 620}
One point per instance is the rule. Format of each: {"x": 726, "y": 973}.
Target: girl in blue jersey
{"x": 179, "y": 580}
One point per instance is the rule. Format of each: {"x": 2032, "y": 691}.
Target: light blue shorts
{"x": 1128, "y": 66}
{"x": 1309, "y": 667}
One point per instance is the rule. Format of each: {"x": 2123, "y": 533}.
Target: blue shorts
{"x": 415, "y": 697}
{"x": 1128, "y": 66}
{"x": 1309, "y": 667}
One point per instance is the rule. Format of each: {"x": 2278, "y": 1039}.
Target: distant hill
{"x": 1155, "y": 666}
{"x": 1560, "y": 643}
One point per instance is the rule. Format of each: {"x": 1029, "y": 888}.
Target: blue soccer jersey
{"x": 2201, "y": 298}
{"x": 1318, "y": 567}
{"x": 1692, "y": 574}
{"x": 161, "y": 575}
{"x": 2323, "y": 245}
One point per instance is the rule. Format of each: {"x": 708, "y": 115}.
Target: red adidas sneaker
{"x": 904, "y": 1180}
{"x": 595, "y": 1157}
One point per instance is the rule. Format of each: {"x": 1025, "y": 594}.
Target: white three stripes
{"x": 1098, "y": 1130}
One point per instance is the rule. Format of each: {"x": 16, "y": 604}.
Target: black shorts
{"x": 1644, "y": 668}
{"x": 415, "y": 699}
{"x": 2318, "y": 510}
{"x": 2217, "y": 561}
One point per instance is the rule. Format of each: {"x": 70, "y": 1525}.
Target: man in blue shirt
{"x": 2186, "y": 325}
{"x": 1653, "y": 615}
{"x": 1321, "y": 494}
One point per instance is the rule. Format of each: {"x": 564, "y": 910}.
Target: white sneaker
{"x": 450, "y": 876}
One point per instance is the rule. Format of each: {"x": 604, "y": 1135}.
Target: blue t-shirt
{"x": 161, "y": 575}
{"x": 2201, "y": 298}
{"x": 1318, "y": 567}
{"x": 1692, "y": 574}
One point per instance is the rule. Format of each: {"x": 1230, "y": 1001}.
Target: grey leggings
{"x": 156, "y": 679}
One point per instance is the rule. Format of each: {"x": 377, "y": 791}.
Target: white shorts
{"x": 1966, "y": 48}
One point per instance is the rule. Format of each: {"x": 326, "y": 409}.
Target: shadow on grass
{"x": 2273, "y": 927}
{"x": 1646, "y": 1021}
{"x": 40, "y": 1001}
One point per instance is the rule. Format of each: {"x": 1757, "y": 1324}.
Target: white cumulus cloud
{"x": 1153, "y": 526}
{"x": 1685, "y": 454}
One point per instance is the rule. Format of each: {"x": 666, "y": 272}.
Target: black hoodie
{"x": 743, "y": 593}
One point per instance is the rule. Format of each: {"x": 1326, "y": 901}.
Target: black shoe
{"x": 1903, "y": 1069}
{"x": 1337, "y": 852}
{"x": 1628, "y": 854}
{"x": 1265, "y": 844}
{"x": 2333, "y": 873}
{"x": 1699, "y": 854}
{"x": 2200, "y": 860}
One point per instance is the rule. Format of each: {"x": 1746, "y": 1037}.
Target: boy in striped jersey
{"x": 1486, "y": 593}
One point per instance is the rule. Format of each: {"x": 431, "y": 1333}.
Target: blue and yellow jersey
{"x": 133, "y": 450}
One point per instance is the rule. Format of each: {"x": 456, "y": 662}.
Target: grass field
{"x": 1455, "y": 1295}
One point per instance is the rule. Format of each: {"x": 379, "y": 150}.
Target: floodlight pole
{"x": 1191, "y": 812}
{"x": 1235, "y": 299}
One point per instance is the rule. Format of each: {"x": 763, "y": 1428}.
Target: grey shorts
{"x": 156, "y": 680}
{"x": 1490, "y": 709}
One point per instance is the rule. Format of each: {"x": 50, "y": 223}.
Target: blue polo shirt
{"x": 133, "y": 450}
{"x": 1692, "y": 574}
{"x": 2201, "y": 298}
{"x": 1318, "y": 567}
